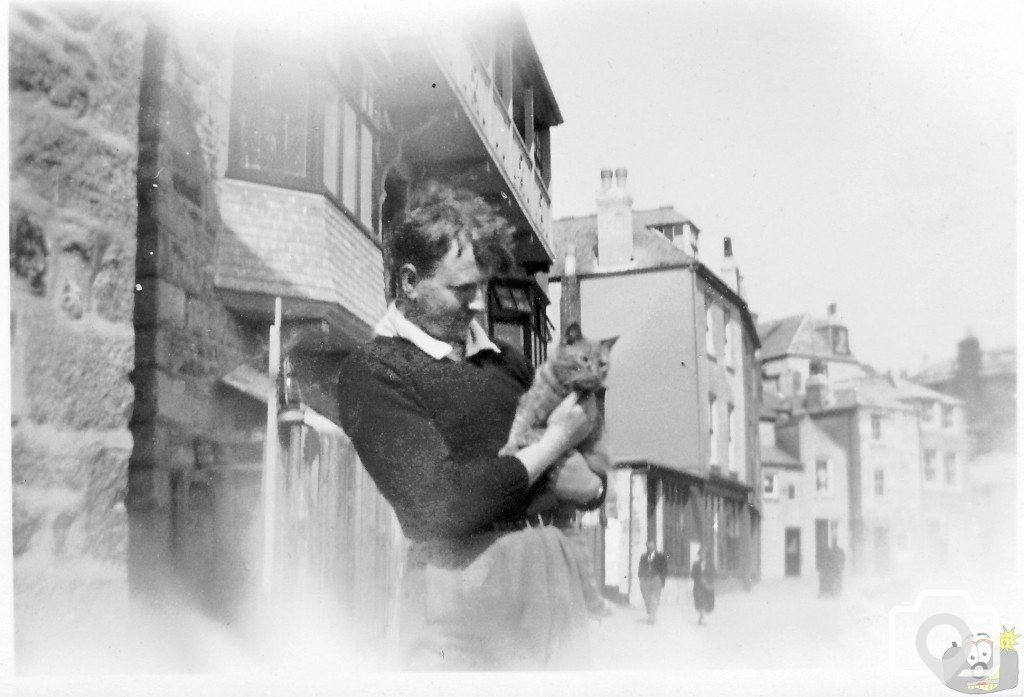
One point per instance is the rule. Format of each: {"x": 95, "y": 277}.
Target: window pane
{"x": 366, "y": 177}
{"x": 349, "y": 157}
{"x": 822, "y": 476}
{"x": 272, "y": 103}
{"x": 332, "y": 143}
{"x": 505, "y": 299}
{"x": 509, "y": 333}
{"x": 522, "y": 299}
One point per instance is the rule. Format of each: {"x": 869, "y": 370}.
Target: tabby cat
{"x": 578, "y": 364}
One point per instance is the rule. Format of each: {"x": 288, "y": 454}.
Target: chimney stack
{"x": 817, "y": 394}
{"x": 569, "y": 307}
{"x": 614, "y": 221}
{"x": 967, "y": 379}
{"x": 730, "y": 272}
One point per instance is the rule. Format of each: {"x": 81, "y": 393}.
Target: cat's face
{"x": 582, "y": 363}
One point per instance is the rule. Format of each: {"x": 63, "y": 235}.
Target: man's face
{"x": 650, "y": 548}
{"x": 446, "y": 302}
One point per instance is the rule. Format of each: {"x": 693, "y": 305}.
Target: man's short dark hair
{"x": 438, "y": 215}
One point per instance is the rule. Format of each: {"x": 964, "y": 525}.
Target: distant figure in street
{"x": 830, "y": 571}
{"x": 652, "y": 572}
{"x": 703, "y": 586}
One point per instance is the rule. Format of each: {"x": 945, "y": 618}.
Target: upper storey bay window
{"x": 308, "y": 125}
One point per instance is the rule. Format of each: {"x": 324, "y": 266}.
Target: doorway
{"x": 792, "y": 551}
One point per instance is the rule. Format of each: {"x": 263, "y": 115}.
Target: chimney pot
{"x": 569, "y": 266}
{"x": 614, "y": 222}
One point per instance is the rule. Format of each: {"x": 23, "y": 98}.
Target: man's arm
{"x": 433, "y": 493}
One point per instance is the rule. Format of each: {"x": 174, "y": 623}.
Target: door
{"x": 820, "y": 541}
{"x": 792, "y": 551}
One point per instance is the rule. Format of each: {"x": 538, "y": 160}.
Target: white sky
{"x": 861, "y": 153}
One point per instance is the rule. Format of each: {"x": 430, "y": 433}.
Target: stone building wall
{"x": 186, "y": 340}
{"x": 74, "y": 103}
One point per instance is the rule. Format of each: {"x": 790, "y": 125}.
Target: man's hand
{"x": 572, "y": 480}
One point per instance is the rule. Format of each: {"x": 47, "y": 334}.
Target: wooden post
{"x": 270, "y": 447}
{"x": 569, "y": 306}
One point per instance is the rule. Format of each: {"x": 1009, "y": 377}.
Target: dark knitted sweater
{"x": 428, "y": 432}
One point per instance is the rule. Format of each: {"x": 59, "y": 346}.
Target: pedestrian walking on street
{"x": 652, "y": 572}
{"x": 703, "y": 585}
{"x": 830, "y": 571}
{"x": 490, "y": 582}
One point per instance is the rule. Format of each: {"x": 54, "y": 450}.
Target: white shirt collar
{"x": 394, "y": 323}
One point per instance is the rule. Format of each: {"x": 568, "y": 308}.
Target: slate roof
{"x": 777, "y": 335}
{"x": 651, "y": 249}
{"x": 774, "y": 456}
{"x": 995, "y": 362}
{"x": 907, "y": 389}
{"x": 875, "y": 392}
{"x": 798, "y": 335}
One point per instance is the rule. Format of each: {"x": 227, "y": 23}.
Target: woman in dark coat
{"x": 491, "y": 581}
{"x": 703, "y": 586}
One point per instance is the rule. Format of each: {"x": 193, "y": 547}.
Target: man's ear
{"x": 408, "y": 277}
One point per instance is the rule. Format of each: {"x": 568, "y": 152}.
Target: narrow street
{"x": 779, "y": 637}
{"x": 778, "y": 624}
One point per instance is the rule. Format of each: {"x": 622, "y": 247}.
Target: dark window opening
{"x": 517, "y": 314}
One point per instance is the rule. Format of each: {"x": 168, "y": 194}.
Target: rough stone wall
{"x": 186, "y": 340}
{"x": 74, "y": 100}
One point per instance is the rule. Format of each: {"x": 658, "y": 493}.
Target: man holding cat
{"x": 490, "y": 583}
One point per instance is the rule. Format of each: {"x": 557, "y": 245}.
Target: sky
{"x": 858, "y": 153}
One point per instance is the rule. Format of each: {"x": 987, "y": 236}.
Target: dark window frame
{"x": 876, "y": 427}
{"x": 508, "y": 309}
{"x": 320, "y": 81}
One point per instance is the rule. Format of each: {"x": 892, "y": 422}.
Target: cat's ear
{"x": 606, "y": 344}
{"x": 572, "y": 334}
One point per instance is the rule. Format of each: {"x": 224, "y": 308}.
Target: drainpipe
{"x": 697, "y": 396}
{"x": 854, "y": 477}
{"x": 629, "y": 543}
